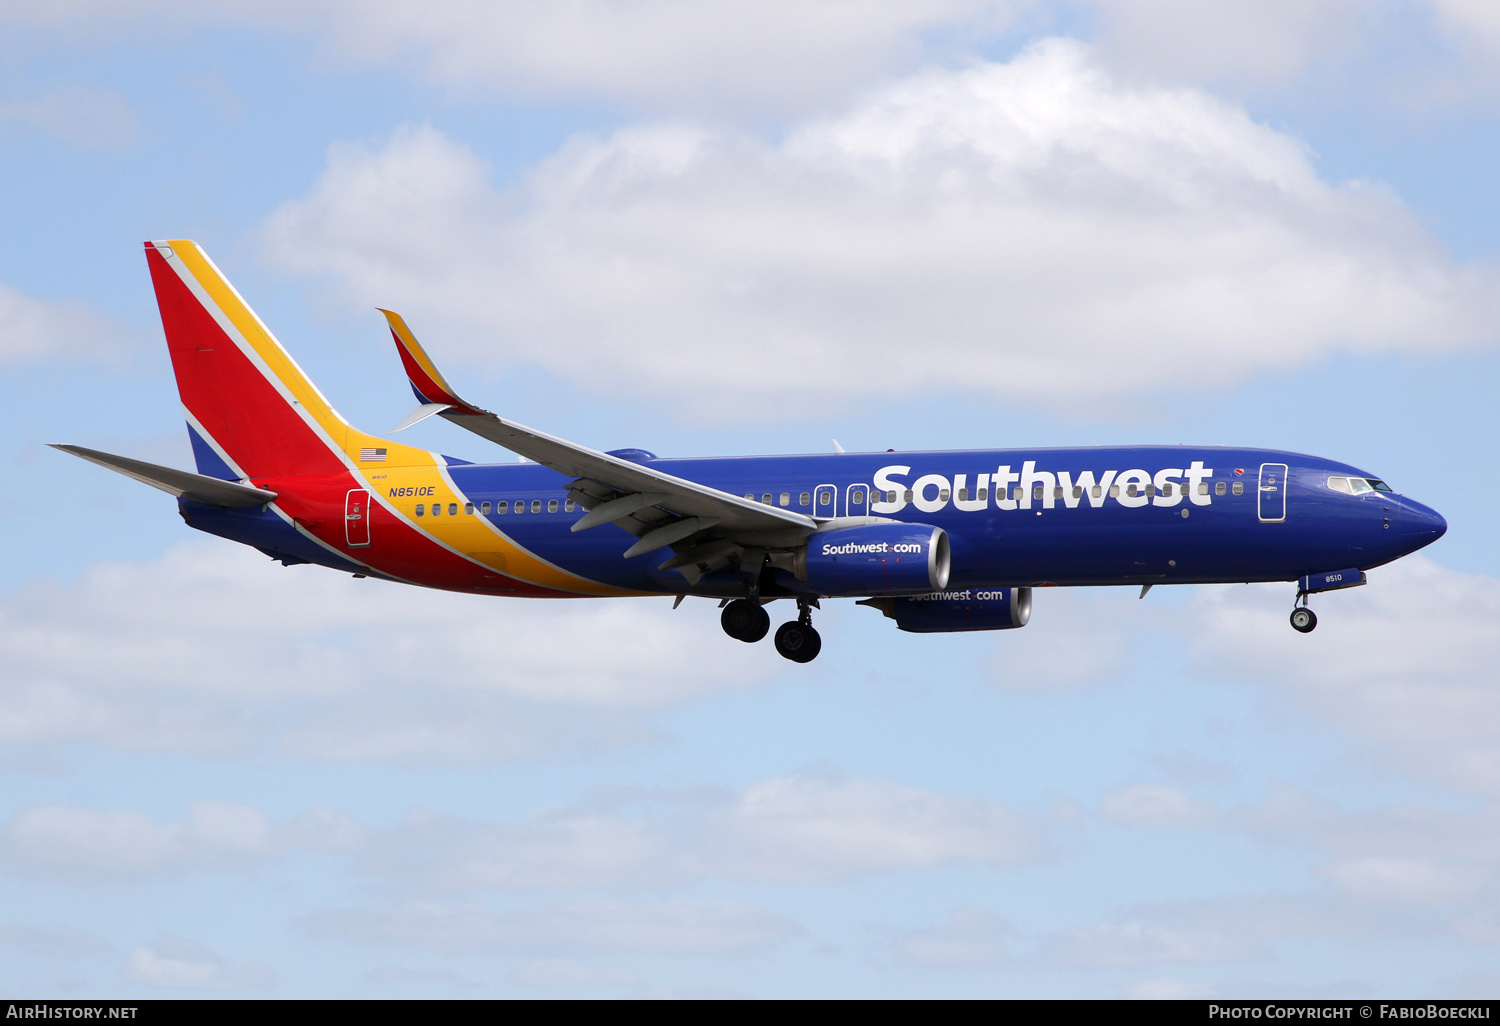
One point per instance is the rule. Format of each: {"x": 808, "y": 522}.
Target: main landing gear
{"x": 746, "y": 620}
{"x": 1303, "y": 619}
{"x": 796, "y": 639}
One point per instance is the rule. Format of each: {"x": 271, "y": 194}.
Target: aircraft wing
{"x": 182, "y": 484}
{"x": 611, "y": 488}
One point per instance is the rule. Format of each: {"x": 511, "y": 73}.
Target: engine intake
{"x": 877, "y": 559}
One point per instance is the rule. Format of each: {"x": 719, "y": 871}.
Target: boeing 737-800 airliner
{"x": 938, "y": 541}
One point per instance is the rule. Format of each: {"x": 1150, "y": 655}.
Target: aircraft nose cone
{"x": 1420, "y": 525}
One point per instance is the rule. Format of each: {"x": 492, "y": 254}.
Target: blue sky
{"x": 745, "y": 228}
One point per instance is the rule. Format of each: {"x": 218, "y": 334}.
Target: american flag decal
{"x": 372, "y": 455}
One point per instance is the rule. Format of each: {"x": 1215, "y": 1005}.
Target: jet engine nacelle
{"x": 946, "y": 612}
{"x": 876, "y": 559}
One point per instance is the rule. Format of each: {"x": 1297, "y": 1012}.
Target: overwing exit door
{"x": 1271, "y": 501}
{"x": 357, "y": 518}
{"x": 826, "y": 501}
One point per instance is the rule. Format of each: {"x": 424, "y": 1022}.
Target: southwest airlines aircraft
{"x": 937, "y": 541}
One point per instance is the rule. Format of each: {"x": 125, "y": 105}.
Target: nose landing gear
{"x": 796, "y": 640}
{"x": 1303, "y": 619}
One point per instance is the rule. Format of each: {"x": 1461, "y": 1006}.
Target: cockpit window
{"x": 1357, "y": 485}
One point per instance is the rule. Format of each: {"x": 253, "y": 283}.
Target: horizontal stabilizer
{"x": 420, "y": 414}
{"x": 180, "y": 483}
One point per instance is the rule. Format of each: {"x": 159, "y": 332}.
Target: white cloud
{"x": 1141, "y": 943}
{"x": 65, "y": 942}
{"x": 82, "y": 115}
{"x": 1238, "y": 42}
{"x": 1155, "y": 805}
{"x": 801, "y": 826}
{"x": 31, "y": 328}
{"x": 180, "y": 964}
{"x": 1419, "y": 881}
{"x": 567, "y": 974}
{"x": 1035, "y": 230}
{"x": 1408, "y": 664}
{"x": 759, "y": 57}
{"x": 775, "y": 54}
{"x": 970, "y": 938}
{"x": 673, "y": 927}
{"x": 205, "y": 649}
{"x": 713, "y": 54}
{"x": 96, "y": 844}
{"x": 808, "y": 826}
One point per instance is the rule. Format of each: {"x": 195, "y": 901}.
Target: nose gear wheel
{"x": 1304, "y": 620}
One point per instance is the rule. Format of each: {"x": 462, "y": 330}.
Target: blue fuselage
{"x": 1242, "y": 519}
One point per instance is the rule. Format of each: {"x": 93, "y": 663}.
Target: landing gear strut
{"x": 745, "y": 620}
{"x": 796, "y": 640}
{"x": 1303, "y": 619}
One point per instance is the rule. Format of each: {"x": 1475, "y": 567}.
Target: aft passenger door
{"x": 357, "y": 518}
{"x": 1271, "y": 499}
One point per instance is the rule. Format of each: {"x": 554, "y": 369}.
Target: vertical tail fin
{"x": 252, "y": 412}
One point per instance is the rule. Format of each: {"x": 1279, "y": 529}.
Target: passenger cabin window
{"x": 502, "y": 507}
{"x": 750, "y": 496}
{"x": 1096, "y": 491}
{"x": 484, "y": 508}
{"x": 1151, "y": 489}
{"x": 984, "y": 495}
{"x": 536, "y": 505}
{"x": 1166, "y": 490}
{"x": 468, "y": 509}
{"x": 453, "y": 509}
{"x": 1078, "y": 491}
{"x": 908, "y": 495}
{"x": 804, "y": 498}
{"x": 766, "y": 499}
{"x": 551, "y": 505}
{"x": 1219, "y": 488}
{"x": 786, "y": 498}
{"x": 421, "y": 509}
{"x": 520, "y": 505}
{"x": 1130, "y": 490}
{"x": 963, "y": 495}
{"x": 437, "y": 509}
{"x": 568, "y": 506}
{"x": 1239, "y": 488}
{"x": 944, "y": 495}
{"x": 1114, "y": 491}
